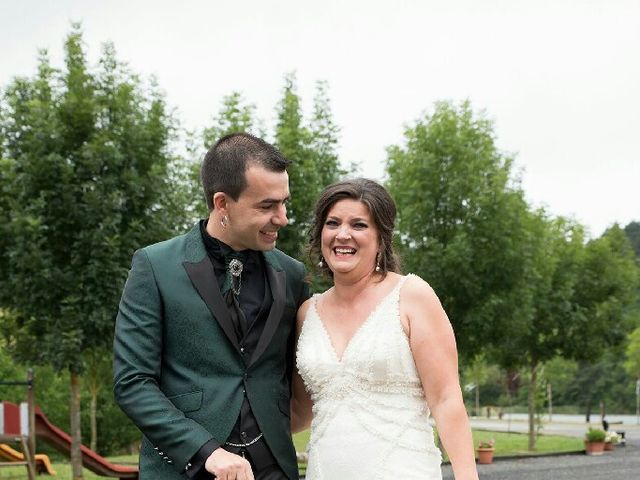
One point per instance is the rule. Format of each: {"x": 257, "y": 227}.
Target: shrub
{"x": 595, "y": 435}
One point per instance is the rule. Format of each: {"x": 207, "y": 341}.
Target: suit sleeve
{"x": 137, "y": 366}
{"x": 305, "y": 291}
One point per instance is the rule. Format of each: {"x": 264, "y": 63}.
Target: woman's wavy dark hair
{"x": 383, "y": 213}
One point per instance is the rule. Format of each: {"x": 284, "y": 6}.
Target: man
{"x": 203, "y": 343}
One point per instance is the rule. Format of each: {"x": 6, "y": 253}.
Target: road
{"x": 573, "y": 428}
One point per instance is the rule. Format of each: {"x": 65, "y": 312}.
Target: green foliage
{"x": 632, "y": 230}
{"x": 632, "y": 353}
{"x": 543, "y": 324}
{"x": 608, "y": 290}
{"x": 314, "y": 162}
{"x": 459, "y": 219}
{"x": 85, "y": 182}
{"x": 235, "y": 115}
{"x": 559, "y": 373}
{"x": 595, "y": 435}
{"x": 324, "y": 138}
{"x": 292, "y": 138}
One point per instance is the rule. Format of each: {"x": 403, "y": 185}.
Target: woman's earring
{"x": 378, "y": 262}
{"x": 321, "y": 262}
{"x": 224, "y": 222}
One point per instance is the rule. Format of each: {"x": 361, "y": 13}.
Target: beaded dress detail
{"x": 370, "y": 416}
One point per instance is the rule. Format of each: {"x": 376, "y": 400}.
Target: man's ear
{"x": 220, "y": 202}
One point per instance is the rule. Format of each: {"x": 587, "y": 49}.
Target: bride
{"x": 376, "y": 354}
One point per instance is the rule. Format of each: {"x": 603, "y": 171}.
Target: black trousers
{"x": 266, "y": 472}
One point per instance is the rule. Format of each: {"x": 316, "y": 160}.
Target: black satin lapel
{"x": 204, "y": 280}
{"x": 277, "y": 283}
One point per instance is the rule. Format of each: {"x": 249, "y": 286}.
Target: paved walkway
{"x": 623, "y": 463}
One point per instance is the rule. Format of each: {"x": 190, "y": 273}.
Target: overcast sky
{"x": 560, "y": 79}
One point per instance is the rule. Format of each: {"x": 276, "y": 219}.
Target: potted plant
{"x": 610, "y": 440}
{"x": 594, "y": 441}
{"x": 485, "y": 451}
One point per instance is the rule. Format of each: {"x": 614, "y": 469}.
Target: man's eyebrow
{"x": 275, "y": 200}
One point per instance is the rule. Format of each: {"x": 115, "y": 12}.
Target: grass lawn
{"x": 505, "y": 443}
{"x": 516, "y": 443}
{"x": 63, "y": 470}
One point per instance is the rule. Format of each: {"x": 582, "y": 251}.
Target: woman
{"x": 376, "y": 353}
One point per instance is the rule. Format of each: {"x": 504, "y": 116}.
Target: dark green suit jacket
{"x": 178, "y": 371}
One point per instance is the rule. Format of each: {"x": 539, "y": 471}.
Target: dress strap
{"x": 402, "y": 280}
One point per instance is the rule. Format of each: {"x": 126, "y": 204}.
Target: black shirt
{"x": 255, "y": 301}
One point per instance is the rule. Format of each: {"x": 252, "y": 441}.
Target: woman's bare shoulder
{"x": 416, "y": 288}
{"x": 419, "y": 302}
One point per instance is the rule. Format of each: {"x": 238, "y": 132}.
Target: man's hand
{"x": 228, "y": 466}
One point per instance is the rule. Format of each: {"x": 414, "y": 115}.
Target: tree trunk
{"x": 94, "y": 424}
{"x": 532, "y": 407}
{"x": 76, "y": 438}
{"x": 477, "y": 399}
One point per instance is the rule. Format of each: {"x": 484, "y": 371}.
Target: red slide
{"x": 90, "y": 459}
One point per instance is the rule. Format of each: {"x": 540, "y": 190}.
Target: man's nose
{"x": 280, "y": 218}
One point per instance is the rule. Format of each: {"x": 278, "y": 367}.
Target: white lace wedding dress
{"x": 370, "y": 417}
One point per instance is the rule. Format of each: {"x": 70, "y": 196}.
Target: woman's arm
{"x": 301, "y": 403}
{"x": 434, "y": 351}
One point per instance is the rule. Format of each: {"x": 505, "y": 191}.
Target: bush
{"x": 595, "y": 435}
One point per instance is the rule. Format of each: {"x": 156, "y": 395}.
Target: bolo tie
{"x": 231, "y": 291}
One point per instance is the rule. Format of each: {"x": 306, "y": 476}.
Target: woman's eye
{"x": 331, "y": 223}
{"x": 360, "y": 225}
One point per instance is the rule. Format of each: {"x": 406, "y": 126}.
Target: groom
{"x": 203, "y": 343}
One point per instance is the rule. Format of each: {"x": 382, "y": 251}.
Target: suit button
{"x": 242, "y": 350}
{"x": 246, "y": 375}
{"x": 243, "y": 434}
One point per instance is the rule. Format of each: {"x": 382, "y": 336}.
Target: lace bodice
{"x": 374, "y": 391}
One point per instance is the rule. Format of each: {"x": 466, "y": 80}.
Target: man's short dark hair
{"x": 225, "y": 164}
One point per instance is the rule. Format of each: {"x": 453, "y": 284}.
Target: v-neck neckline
{"x": 340, "y": 358}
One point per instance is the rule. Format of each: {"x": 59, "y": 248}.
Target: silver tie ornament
{"x": 235, "y": 269}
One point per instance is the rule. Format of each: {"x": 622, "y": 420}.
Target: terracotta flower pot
{"x": 608, "y": 446}
{"x": 594, "y": 448}
{"x": 485, "y": 455}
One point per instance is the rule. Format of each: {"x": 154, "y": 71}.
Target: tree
{"x": 573, "y": 299}
{"x": 98, "y": 373}
{"x": 235, "y": 115}
{"x": 293, "y": 139}
{"x": 460, "y": 219}
{"x": 632, "y": 230}
{"x": 85, "y": 182}
{"x": 632, "y": 362}
{"x": 324, "y": 137}
{"x": 476, "y": 374}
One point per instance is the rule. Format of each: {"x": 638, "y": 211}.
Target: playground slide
{"x": 59, "y": 439}
{"x": 43, "y": 464}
